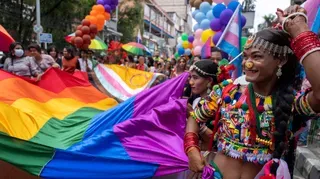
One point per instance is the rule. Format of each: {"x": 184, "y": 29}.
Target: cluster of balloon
{"x": 211, "y": 22}
{"x": 109, "y": 5}
{"x": 93, "y": 23}
{"x": 98, "y": 15}
{"x": 84, "y": 33}
{"x": 185, "y": 45}
{"x": 196, "y": 3}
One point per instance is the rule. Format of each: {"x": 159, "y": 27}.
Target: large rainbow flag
{"x": 121, "y": 82}
{"x": 62, "y": 127}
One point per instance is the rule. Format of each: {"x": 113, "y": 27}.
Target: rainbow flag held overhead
{"x": 122, "y": 82}
{"x": 62, "y": 127}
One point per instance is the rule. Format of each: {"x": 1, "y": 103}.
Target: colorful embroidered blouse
{"x": 233, "y": 134}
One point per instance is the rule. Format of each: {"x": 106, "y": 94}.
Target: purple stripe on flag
{"x": 157, "y": 137}
{"x": 155, "y": 132}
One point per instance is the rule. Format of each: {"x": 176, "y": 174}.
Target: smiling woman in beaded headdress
{"x": 255, "y": 126}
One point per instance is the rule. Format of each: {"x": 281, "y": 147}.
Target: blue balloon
{"x": 205, "y": 24}
{"x": 200, "y": 16}
{"x": 181, "y": 51}
{"x": 195, "y": 12}
{"x": 218, "y": 9}
{"x": 243, "y": 21}
{"x": 205, "y": 7}
{"x": 210, "y": 15}
{"x": 196, "y": 27}
{"x": 187, "y": 52}
{"x": 233, "y": 5}
{"x": 179, "y": 46}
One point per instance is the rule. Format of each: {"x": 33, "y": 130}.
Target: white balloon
{"x": 180, "y": 40}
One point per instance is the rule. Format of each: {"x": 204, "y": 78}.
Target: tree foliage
{"x": 58, "y": 17}
{"x": 130, "y": 17}
{"x": 268, "y": 21}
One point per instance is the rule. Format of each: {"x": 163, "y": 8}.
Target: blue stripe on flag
{"x": 227, "y": 47}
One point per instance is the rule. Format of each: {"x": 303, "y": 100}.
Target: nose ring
{"x": 249, "y": 65}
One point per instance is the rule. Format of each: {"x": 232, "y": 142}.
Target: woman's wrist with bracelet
{"x": 305, "y": 44}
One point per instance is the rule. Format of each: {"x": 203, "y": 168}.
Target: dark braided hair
{"x": 285, "y": 94}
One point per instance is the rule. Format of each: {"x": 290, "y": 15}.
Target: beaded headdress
{"x": 266, "y": 46}
{"x": 204, "y": 67}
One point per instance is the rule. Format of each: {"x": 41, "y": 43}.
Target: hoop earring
{"x": 279, "y": 72}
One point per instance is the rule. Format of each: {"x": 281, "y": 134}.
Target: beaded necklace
{"x": 256, "y": 112}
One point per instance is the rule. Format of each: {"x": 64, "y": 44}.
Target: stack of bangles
{"x": 304, "y": 44}
{"x": 191, "y": 141}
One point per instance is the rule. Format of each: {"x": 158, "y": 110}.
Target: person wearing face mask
{"x": 19, "y": 64}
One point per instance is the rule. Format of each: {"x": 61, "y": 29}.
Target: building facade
{"x": 159, "y": 29}
{"x": 181, "y": 8}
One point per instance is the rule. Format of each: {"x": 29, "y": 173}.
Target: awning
{"x": 157, "y": 28}
{"x": 115, "y": 32}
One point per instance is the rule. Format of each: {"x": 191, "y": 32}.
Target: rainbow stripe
{"x": 123, "y": 82}
{"x": 62, "y": 127}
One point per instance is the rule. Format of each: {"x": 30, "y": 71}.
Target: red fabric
{"x": 253, "y": 123}
{"x": 69, "y": 65}
{"x": 60, "y": 79}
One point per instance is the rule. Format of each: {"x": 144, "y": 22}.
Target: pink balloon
{"x": 197, "y": 50}
{"x": 226, "y": 2}
{"x": 198, "y": 33}
{"x": 197, "y": 42}
{"x": 218, "y": 1}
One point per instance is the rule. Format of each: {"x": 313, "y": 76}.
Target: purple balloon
{"x": 216, "y": 37}
{"x": 215, "y": 24}
{"x": 226, "y": 16}
{"x": 190, "y": 39}
{"x": 223, "y": 28}
{"x": 113, "y": 7}
{"x": 107, "y": 8}
{"x": 107, "y": 2}
{"x": 100, "y": 2}
{"x": 243, "y": 21}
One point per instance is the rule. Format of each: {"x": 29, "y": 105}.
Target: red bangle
{"x": 304, "y": 44}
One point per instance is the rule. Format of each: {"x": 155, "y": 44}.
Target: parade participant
{"x": 84, "y": 61}
{"x": 216, "y": 54}
{"x": 19, "y": 64}
{"x": 255, "y": 126}
{"x": 203, "y": 75}
{"x": 44, "y": 61}
{"x": 180, "y": 67}
{"x": 141, "y": 65}
{"x": 70, "y": 62}
{"x": 54, "y": 53}
{"x": 130, "y": 62}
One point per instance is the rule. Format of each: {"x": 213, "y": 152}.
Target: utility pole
{"x": 38, "y": 20}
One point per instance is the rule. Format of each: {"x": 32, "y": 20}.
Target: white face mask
{"x": 18, "y": 52}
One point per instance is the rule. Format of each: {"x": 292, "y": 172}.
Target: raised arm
{"x": 306, "y": 46}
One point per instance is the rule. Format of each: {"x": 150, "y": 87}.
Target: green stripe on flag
{"x": 62, "y": 134}
{"x": 26, "y": 155}
{"x": 34, "y": 154}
